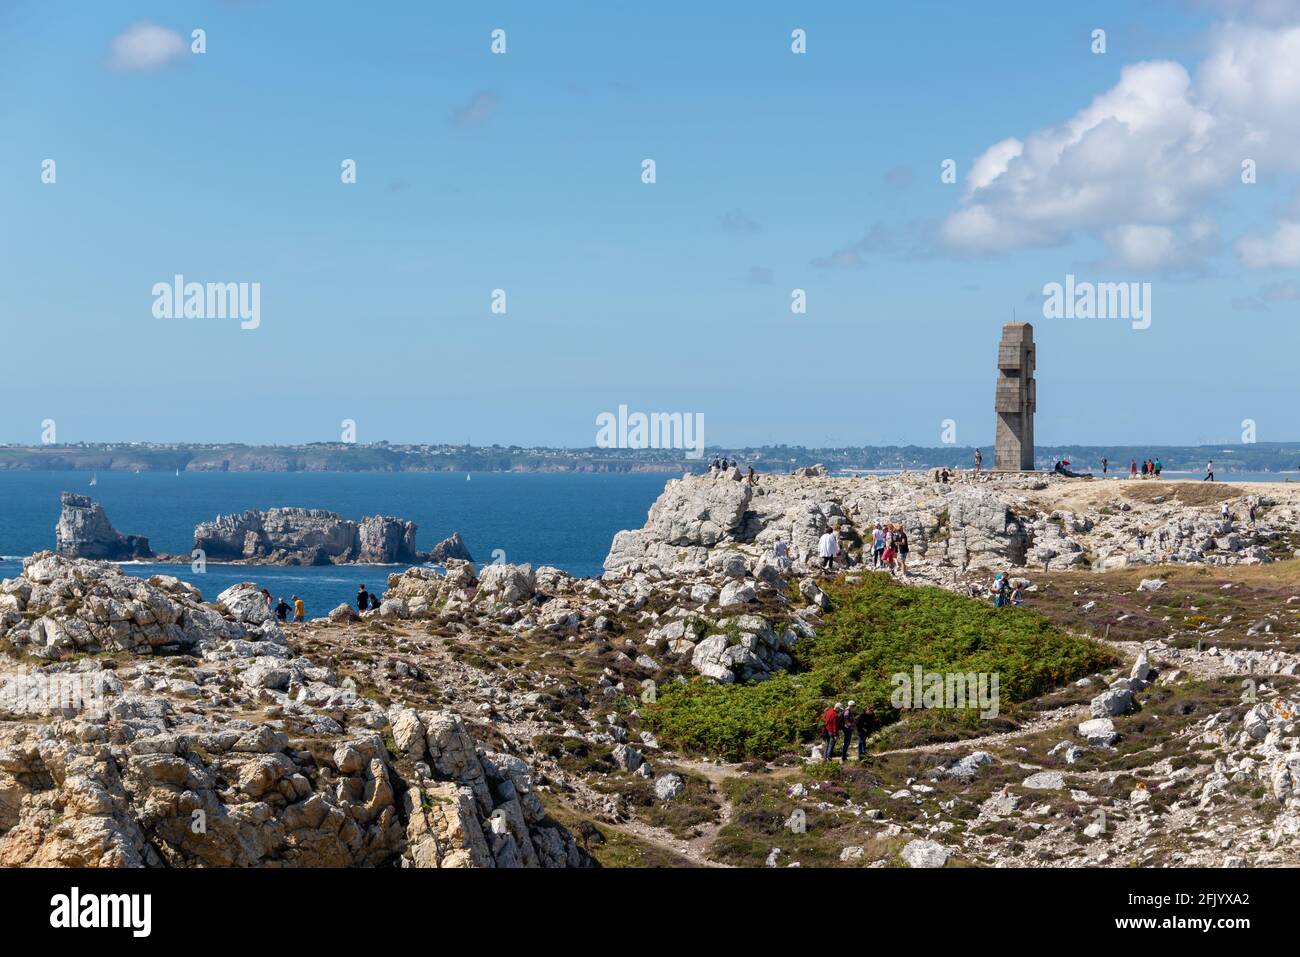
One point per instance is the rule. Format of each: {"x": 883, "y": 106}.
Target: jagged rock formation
{"x": 236, "y": 753}
{"x": 449, "y": 548}
{"x": 383, "y": 540}
{"x": 306, "y": 536}
{"x": 996, "y": 523}
{"x": 84, "y": 531}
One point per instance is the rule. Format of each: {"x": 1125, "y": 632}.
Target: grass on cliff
{"x": 877, "y": 628}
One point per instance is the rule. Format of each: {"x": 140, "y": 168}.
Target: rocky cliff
{"x": 84, "y": 531}
{"x": 231, "y": 749}
{"x": 1032, "y": 522}
{"x": 306, "y": 536}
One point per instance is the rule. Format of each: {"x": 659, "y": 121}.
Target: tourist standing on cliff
{"x": 1104, "y": 463}
{"x": 282, "y": 609}
{"x": 1209, "y": 471}
{"x": 299, "y": 609}
{"x": 1133, "y": 468}
{"x": 1158, "y": 467}
{"x": 877, "y": 545}
{"x": 363, "y": 599}
{"x": 979, "y": 460}
{"x": 828, "y": 546}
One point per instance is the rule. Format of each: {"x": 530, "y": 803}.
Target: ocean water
{"x": 563, "y": 519}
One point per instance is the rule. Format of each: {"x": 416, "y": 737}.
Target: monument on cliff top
{"x": 1014, "y": 400}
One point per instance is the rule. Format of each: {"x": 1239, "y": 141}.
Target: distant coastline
{"x": 1279, "y": 457}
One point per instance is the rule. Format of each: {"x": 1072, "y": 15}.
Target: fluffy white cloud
{"x": 1135, "y": 165}
{"x": 145, "y": 46}
{"x": 1279, "y": 248}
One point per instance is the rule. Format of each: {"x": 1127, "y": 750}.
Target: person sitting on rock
{"x": 363, "y": 599}
{"x": 1017, "y": 596}
{"x": 374, "y": 602}
{"x": 282, "y": 609}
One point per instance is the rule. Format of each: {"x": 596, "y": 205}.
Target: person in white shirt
{"x": 828, "y": 546}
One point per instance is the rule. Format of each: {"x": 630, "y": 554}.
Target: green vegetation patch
{"x": 877, "y": 628}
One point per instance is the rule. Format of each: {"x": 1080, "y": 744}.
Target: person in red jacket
{"x": 832, "y": 721}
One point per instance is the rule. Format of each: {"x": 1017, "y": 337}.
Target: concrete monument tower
{"x": 1015, "y": 399}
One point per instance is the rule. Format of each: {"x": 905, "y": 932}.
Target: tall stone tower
{"x": 1015, "y": 399}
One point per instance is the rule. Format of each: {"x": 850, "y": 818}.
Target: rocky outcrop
{"x": 996, "y": 522}
{"x": 62, "y": 607}
{"x": 450, "y": 548}
{"x": 232, "y": 750}
{"x": 306, "y": 536}
{"x": 84, "y": 531}
{"x": 382, "y": 540}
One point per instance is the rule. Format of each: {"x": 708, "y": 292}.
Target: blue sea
{"x": 563, "y": 519}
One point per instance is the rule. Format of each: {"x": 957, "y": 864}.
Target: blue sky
{"x": 522, "y": 171}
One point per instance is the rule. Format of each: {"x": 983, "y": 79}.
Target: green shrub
{"x": 876, "y": 628}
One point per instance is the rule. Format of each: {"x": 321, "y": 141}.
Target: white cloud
{"x": 1134, "y": 167}
{"x": 1279, "y": 248}
{"x": 145, "y": 46}
{"x": 1143, "y": 247}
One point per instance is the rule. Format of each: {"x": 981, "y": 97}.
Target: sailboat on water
{"x": 94, "y": 479}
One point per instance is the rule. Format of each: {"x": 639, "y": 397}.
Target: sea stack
{"x": 84, "y": 531}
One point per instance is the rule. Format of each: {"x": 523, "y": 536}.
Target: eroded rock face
{"x": 84, "y": 531}
{"x": 236, "y": 752}
{"x": 63, "y": 607}
{"x": 383, "y": 540}
{"x": 451, "y": 548}
{"x": 306, "y": 536}
{"x": 997, "y": 523}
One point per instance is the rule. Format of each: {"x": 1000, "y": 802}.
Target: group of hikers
{"x": 1004, "y": 592}
{"x": 282, "y": 609}
{"x": 366, "y": 601}
{"x": 846, "y": 720}
{"x": 888, "y": 544}
{"x": 721, "y": 465}
{"x": 1150, "y": 468}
